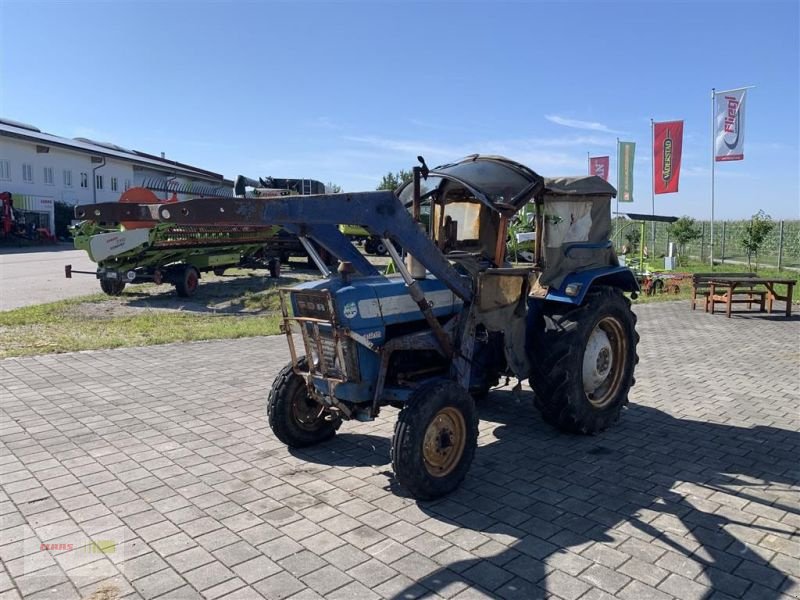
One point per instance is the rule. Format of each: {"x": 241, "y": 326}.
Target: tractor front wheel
{"x": 112, "y": 287}
{"x": 434, "y": 439}
{"x": 583, "y": 361}
{"x": 296, "y": 418}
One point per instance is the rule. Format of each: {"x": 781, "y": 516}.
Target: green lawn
{"x": 65, "y": 327}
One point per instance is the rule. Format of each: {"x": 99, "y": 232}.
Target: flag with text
{"x": 625, "y": 152}
{"x": 667, "y": 145}
{"x": 598, "y": 165}
{"x": 729, "y": 125}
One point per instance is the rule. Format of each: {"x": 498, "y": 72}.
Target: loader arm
{"x": 316, "y": 216}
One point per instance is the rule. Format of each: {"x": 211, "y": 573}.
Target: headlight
{"x": 314, "y": 358}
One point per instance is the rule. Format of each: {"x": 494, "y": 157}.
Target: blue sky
{"x": 345, "y": 91}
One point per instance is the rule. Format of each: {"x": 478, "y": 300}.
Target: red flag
{"x": 667, "y": 143}
{"x": 598, "y": 165}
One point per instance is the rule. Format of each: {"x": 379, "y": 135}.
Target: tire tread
{"x": 553, "y": 372}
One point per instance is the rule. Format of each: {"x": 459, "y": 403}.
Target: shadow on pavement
{"x": 224, "y": 295}
{"x": 348, "y": 450}
{"x": 648, "y": 477}
{"x": 34, "y": 247}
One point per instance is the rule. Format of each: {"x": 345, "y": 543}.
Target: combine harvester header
{"x": 138, "y": 248}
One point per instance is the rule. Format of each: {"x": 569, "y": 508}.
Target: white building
{"x": 40, "y": 169}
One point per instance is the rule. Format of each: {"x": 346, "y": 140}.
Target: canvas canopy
{"x": 587, "y": 185}
{"x": 577, "y": 226}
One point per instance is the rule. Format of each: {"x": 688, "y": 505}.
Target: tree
{"x": 755, "y": 234}
{"x": 633, "y": 237}
{"x": 683, "y": 231}
{"x": 392, "y": 181}
{"x": 332, "y": 188}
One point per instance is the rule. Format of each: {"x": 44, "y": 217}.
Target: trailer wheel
{"x": 274, "y": 266}
{"x": 434, "y": 439}
{"x": 219, "y": 271}
{"x": 380, "y": 248}
{"x": 295, "y": 418}
{"x": 583, "y": 361}
{"x": 112, "y": 287}
{"x": 186, "y": 286}
{"x": 369, "y": 246}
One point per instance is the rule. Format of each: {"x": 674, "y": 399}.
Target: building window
{"x": 84, "y": 180}
{"x": 67, "y": 178}
{"x": 48, "y": 175}
{"x": 5, "y": 170}
{"x": 27, "y": 173}
{"x": 127, "y": 184}
{"x": 113, "y": 184}
{"x": 98, "y": 182}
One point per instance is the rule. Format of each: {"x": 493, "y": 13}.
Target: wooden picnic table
{"x": 729, "y": 285}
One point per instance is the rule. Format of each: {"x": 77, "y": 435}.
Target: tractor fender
{"x": 618, "y": 277}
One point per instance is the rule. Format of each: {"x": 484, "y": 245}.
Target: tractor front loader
{"x": 454, "y": 319}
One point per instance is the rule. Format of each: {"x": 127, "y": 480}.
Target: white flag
{"x": 729, "y": 125}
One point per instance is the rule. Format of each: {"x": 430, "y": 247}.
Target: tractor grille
{"x": 329, "y": 351}
{"x": 337, "y": 358}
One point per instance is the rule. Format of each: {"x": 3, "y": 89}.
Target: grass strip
{"x": 59, "y": 327}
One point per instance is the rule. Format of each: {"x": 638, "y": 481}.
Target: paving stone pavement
{"x": 151, "y": 473}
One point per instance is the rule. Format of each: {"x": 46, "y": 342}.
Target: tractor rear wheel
{"x": 295, "y": 418}
{"x": 112, "y": 287}
{"x": 434, "y": 439}
{"x": 188, "y": 281}
{"x": 583, "y": 361}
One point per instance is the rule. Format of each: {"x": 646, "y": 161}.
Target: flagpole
{"x": 713, "y": 161}
{"x": 653, "y": 179}
{"x": 618, "y": 178}
{"x": 588, "y": 164}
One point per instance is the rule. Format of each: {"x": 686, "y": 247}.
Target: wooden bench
{"x": 700, "y": 286}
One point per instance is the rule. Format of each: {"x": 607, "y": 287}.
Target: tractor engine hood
{"x": 369, "y": 304}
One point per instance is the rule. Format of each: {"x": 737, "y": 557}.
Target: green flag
{"x": 625, "y": 153}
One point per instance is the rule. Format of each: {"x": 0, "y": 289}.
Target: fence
{"x": 780, "y": 250}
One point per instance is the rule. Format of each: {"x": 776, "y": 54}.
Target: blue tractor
{"x": 455, "y": 318}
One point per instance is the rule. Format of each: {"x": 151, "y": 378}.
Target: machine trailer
{"x": 142, "y": 249}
